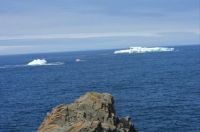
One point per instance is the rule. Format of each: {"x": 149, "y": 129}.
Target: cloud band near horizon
{"x": 79, "y": 36}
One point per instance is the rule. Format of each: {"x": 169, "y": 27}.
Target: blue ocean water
{"x": 160, "y": 91}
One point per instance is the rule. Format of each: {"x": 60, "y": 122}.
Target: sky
{"x": 35, "y": 26}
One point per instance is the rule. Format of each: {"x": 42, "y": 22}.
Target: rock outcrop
{"x": 92, "y": 112}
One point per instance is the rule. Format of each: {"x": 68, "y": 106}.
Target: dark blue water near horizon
{"x": 160, "y": 91}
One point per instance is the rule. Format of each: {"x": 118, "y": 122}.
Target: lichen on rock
{"x": 92, "y": 112}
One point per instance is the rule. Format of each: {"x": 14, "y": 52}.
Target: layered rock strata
{"x": 92, "y": 112}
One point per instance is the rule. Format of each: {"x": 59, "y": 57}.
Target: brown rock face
{"x": 92, "y": 112}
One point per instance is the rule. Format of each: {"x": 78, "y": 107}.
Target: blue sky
{"x": 31, "y": 26}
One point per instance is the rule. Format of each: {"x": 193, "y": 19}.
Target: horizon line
{"x": 85, "y": 50}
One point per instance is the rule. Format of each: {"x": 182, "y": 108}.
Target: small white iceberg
{"x": 43, "y": 62}
{"x": 143, "y": 50}
{"x": 37, "y": 62}
{"x": 78, "y": 60}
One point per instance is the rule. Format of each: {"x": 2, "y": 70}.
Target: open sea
{"x": 159, "y": 91}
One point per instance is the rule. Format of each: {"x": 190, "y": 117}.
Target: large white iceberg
{"x": 143, "y": 50}
{"x": 37, "y": 62}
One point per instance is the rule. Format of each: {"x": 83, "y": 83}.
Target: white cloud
{"x": 4, "y": 47}
{"x": 79, "y": 36}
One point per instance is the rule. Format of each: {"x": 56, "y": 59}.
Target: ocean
{"x": 159, "y": 91}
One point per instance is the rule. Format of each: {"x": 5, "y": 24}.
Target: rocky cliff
{"x": 92, "y": 112}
